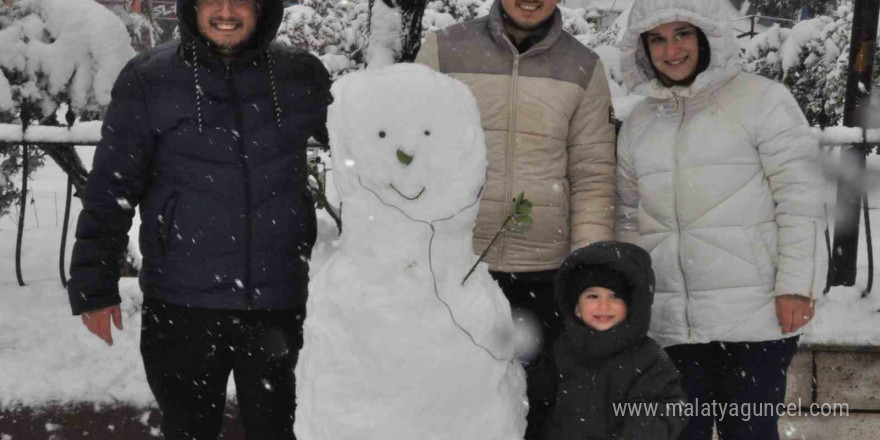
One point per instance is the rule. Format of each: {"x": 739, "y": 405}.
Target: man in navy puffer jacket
{"x": 207, "y": 135}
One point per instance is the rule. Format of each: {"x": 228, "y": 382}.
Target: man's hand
{"x": 794, "y": 312}
{"x": 98, "y": 322}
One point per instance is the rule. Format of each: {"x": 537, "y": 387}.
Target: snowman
{"x": 396, "y": 345}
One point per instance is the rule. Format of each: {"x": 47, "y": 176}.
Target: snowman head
{"x": 409, "y": 137}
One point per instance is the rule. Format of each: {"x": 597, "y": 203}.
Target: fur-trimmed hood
{"x": 708, "y": 15}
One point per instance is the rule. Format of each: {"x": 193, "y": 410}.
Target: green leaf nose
{"x": 404, "y": 158}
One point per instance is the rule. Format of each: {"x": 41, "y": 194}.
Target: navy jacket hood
{"x": 272, "y": 13}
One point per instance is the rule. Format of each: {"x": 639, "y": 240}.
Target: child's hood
{"x": 634, "y": 264}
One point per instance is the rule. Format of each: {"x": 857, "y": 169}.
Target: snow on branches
{"x": 56, "y": 51}
{"x": 811, "y": 59}
{"x": 335, "y": 31}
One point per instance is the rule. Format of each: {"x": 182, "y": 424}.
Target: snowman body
{"x": 395, "y": 345}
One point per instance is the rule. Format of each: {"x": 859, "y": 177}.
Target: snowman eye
{"x": 382, "y": 134}
{"x": 427, "y": 132}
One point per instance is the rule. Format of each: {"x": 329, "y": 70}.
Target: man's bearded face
{"x": 227, "y": 24}
{"x": 528, "y": 14}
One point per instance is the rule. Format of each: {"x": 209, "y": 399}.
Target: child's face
{"x": 600, "y": 308}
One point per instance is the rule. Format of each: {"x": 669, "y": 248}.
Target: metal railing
{"x": 58, "y": 141}
{"x": 753, "y": 20}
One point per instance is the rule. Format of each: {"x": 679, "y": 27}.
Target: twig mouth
{"x": 404, "y": 195}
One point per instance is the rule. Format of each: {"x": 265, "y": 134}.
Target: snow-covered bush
{"x": 54, "y": 52}
{"x": 579, "y": 23}
{"x": 334, "y": 30}
{"x": 459, "y": 10}
{"x": 11, "y": 159}
{"x": 811, "y": 59}
{"x": 792, "y": 8}
{"x": 144, "y": 34}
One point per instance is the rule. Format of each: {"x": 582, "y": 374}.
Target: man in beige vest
{"x": 546, "y": 111}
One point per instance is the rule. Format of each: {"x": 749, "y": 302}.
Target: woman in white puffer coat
{"x": 718, "y": 178}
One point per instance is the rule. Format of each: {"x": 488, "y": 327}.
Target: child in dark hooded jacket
{"x": 604, "y": 360}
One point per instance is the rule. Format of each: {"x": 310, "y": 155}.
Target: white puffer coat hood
{"x": 708, "y": 15}
{"x": 720, "y": 183}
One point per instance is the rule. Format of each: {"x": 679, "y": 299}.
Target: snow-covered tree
{"x": 57, "y": 51}
{"x": 334, "y": 30}
{"x": 793, "y": 8}
{"x": 443, "y": 13}
{"x": 812, "y": 59}
{"x": 54, "y": 52}
{"x": 143, "y": 32}
{"x": 459, "y": 10}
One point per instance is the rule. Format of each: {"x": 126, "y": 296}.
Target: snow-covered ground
{"x": 47, "y": 355}
{"x": 843, "y": 316}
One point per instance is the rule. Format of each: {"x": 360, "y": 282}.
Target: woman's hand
{"x": 794, "y": 311}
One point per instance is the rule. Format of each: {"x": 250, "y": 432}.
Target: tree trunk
{"x": 411, "y": 13}
{"x": 852, "y": 160}
{"x": 67, "y": 159}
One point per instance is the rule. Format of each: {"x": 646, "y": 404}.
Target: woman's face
{"x": 675, "y": 50}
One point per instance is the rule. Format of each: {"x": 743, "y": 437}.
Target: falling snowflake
{"x": 123, "y": 203}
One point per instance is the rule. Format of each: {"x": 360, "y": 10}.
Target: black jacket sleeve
{"x": 658, "y": 384}
{"x": 542, "y": 388}
{"x": 116, "y": 184}
{"x": 324, "y": 82}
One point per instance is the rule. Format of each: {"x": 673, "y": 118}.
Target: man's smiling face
{"x": 528, "y": 14}
{"x": 227, "y": 24}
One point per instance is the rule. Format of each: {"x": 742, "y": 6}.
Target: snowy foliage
{"x": 812, "y": 60}
{"x": 11, "y": 159}
{"x": 335, "y": 31}
{"x": 460, "y": 10}
{"x": 792, "y": 8}
{"x": 144, "y": 34}
{"x": 444, "y": 13}
{"x": 574, "y": 21}
{"x": 54, "y": 52}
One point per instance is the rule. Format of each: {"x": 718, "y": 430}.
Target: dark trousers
{"x": 739, "y": 373}
{"x": 189, "y": 353}
{"x": 533, "y": 292}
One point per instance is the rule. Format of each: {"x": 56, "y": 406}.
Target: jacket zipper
{"x": 511, "y": 138}
{"x": 242, "y": 157}
{"x": 675, "y": 184}
{"x": 166, "y": 221}
{"x": 813, "y": 257}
